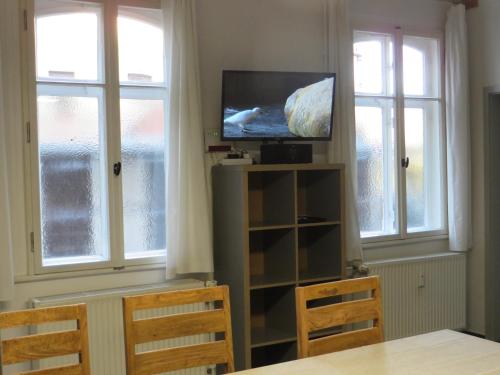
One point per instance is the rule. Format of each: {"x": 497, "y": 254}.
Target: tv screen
{"x": 277, "y": 106}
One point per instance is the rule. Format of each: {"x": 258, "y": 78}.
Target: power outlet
{"x": 212, "y": 138}
{"x": 213, "y": 133}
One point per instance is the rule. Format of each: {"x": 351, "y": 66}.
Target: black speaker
{"x": 283, "y": 153}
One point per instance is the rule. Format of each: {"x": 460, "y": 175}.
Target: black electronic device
{"x": 305, "y": 219}
{"x": 283, "y": 153}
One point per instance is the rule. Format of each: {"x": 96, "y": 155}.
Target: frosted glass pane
{"x": 376, "y": 167}
{"x": 140, "y": 43}
{"x": 415, "y": 189}
{"x": 424, "y": 175}
{"x": 143, "y": 159}
{"x": 68, "y": 40}
{"x": 373, "y": 63}
{"x": 72, "y": 185}
{"x": 421, "y": 66}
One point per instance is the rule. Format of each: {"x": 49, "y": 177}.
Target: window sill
{"x": 412, "y": 247}
{"x": 374, "y": 244}
{"x": 84, "y": 264}
{"x": 21, "y": 279}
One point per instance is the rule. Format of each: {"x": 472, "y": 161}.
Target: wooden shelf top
{"x": 319, "y": 224}
{"x": 311, "y": 278}
{"x": 262, "y": 226}
{"x": 281, "y": 167}
{"x": 264, "y": 282}
{"x": 254, "y": 227}
{"x": 270, "y": 336}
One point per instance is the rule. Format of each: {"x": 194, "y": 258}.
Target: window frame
{"x": 397, "y": 33}
{"x": 112, "y": 135}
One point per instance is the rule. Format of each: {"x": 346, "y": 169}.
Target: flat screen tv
{"x": 277, "y": 106}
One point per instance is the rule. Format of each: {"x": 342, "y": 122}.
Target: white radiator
{"x": 105, "y": 321}
{"x": 422, "y": 294}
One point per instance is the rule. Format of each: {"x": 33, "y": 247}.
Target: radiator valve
{"x": 359, "y": 268}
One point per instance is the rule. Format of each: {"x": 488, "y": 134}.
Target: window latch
{"x": 405, "y": 163}
{"x": 117, "y": 168}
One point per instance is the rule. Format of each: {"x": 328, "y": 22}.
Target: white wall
{"x": 257, "y": 34}
{"x": 233, "y": 34}
{"x": 484, "y": 57}
{"x": 283, "y": 35}
{"x": 26, "y": 288}
{"x": 424, "y": 15}
{"x": 287, "y": 35}
{"x": 280, "y": 35}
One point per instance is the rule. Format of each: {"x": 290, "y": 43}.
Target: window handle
{"x": 405, "y": 163}
{"x": 117, "y": 168}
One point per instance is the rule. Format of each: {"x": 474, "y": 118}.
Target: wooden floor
{"x": 443, "y": 352}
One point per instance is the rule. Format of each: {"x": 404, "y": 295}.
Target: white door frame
{"x": 492, "y": 210}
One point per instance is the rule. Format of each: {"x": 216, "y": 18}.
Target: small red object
{"x": 219, "y": 148}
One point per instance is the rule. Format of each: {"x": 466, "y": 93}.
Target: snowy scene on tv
{"x": 267, "y": 105}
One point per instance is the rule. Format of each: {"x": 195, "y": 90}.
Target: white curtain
{"x": 457, "y": 130}
{"x": 342, "y": 149}
{"x": 6, "y": 263}
{"x": 189, "y": 228}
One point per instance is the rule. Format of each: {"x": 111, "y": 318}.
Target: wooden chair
{"x": 46, "y": 345}
{"x": 338, "y": 314}
{"x": 178, "y": 325}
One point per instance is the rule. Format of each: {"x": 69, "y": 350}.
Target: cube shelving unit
{"x": 263, "y": 251}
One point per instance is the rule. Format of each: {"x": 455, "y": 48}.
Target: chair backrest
{"x": 140, "y": 331}
{"x": 46, "y": 345}
{"x": 337, "y": 314}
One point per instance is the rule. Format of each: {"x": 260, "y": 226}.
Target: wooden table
{"x": 441, "y": 352}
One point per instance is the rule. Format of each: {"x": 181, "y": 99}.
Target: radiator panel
{"x": 411, "y": 308}
{"x": 106, "y": 333}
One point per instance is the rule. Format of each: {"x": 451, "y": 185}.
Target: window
{"x": 99, "y": 139}
{"x": 399, "y": 135}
